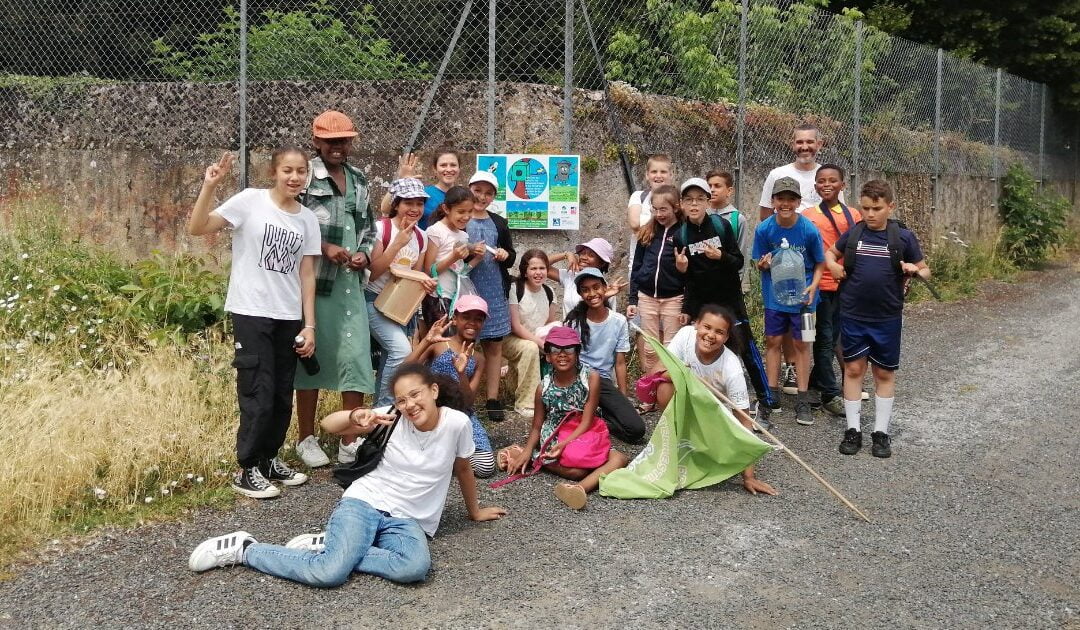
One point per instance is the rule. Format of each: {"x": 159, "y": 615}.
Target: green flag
{"x": 697, "y": 443}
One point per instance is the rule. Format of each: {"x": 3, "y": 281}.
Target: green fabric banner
{"x": 697, "y": 443}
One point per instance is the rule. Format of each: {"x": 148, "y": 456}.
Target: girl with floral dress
{"x": 454, "y": 356}
{"x": 569, "y": 387}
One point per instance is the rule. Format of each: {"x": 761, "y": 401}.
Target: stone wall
{"x": 126, "y": 160}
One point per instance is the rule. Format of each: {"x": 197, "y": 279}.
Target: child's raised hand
{"x": 408, "y": 165}
{"x": 368, "y": 418}
{"x": 572, "y": 262}
{"x": 616, "y": 287}
{"x": 218, "y": 170}
{"x": 405, "y": 234}
{"x": 682, "y": 262}
{"x": 436, "y": 334}
{"x": 461, "y": 359}
{"x": 491, "y": 513}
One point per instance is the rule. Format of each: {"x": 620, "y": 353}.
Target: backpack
{"x": 892, "y": 233}
{"x": 828, "y": 215}
{"x": 719, "y": 223}
{"x": 386, "y": 229}
{"x": 519, "y": 289}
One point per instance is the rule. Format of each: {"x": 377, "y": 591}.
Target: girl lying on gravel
{"x": 381, "y": 524}
{"x": 567, "y": 438}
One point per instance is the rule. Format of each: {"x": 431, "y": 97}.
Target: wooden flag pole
{"x": 836, "y": 493}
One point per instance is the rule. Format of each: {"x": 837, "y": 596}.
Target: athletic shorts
{"x": 878, "y": 341}
{"x": 779, "y": 322}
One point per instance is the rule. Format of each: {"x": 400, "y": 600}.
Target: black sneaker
{"x": 277, "y": 470}
{"x": 250, "y": 482}
{"x": 881, "y": 447}
{"x": 495, "y": 411}
{"x": 775, "y": 393}
{"x": 790, "y": 385}
{"x": 762, "y": 416}
{"x": 852, "y": 442}
{"x": 803, "y": 414}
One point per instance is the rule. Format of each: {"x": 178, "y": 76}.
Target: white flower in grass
{"x": 199, "y": 479}
{"x": 164, "y": 490}
{"x": 56, "y": 287}
{"x": 24, "y": 256}
{"x": 29, "y": 286}
{"x": 72, "y": 330}
{"x": 99, "y": 321}
{"x": 173, "y": 484}
{"x": 78, "y": 364}
{"x": 83, "y": 297}
{"x": 148, "y": 500}
{"x": 82, "y": 346}
{"x": 15, "y": 278}
{"x": 99, "y": 493}
{"x": 190, "y": 476}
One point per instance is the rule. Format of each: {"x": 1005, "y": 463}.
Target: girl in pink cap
{"x": 455, "y": 357}
{"x": 569, "y": 387}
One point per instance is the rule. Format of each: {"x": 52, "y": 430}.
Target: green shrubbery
{"x": 1033, "y": 222}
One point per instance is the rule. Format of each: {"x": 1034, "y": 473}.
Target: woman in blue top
{"x": 492, "y": 281}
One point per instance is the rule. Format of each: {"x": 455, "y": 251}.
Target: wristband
{"x": 306, "y": 327}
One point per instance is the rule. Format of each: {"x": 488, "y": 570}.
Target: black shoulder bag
{"x": 368, "y": 454}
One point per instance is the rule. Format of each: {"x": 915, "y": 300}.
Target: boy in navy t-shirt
{"x": 871, "y": 309}
{"x": 804, "y": 238}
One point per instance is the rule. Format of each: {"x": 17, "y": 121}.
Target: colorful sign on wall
{"x": 539, "y": 192}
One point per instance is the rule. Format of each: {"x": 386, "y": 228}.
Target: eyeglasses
{"x": 695, "y": 200}
{"x": 560, "y": 349}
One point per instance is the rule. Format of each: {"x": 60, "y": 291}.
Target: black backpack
{"x": 892, "y": 234}
{"x": 519, "y": 288}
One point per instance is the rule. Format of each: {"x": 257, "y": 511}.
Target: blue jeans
{"x": 395, "y": 347}
{"x": 822, "y": 377}
{"x": 358, "y": 538}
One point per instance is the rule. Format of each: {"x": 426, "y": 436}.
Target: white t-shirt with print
{"x": 806, "y": 186}
{"x": 267, "y": 246}
{"x": 406, "y": 256}
{"x": 533, "y": 309}
{"x": 445, "y": 239}
{"x": 726, "y": 372}
{"x": 413, "y": 476}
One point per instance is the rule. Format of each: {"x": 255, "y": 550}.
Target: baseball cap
{"x": 601, "y": 247}
{"x": 695, "y": 182}
{"x": 589, "y": 272}
{"x": 408, "y": 188}
{"x": 788, "y": 185}
{"x": 486, "y": 177}
{"x": 333, "y": 124}
{"x": 563, "y": 336}
{"x": 468, "y": 303}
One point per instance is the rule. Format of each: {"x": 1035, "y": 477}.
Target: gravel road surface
{"x": 975, "y": 522}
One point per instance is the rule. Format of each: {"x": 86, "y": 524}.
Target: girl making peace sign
{"x": 455, "y": 356}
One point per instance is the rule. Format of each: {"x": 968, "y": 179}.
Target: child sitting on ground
{"x": 569, "y": 387}
{"x": 879, "y": 253}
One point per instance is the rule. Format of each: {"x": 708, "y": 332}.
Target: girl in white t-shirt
{"x": 532, "y": 309}
{"x": 398, "y": 241}
{"x": 449, "y": 255}
{"x": 702, "y": 348}
{"x": 271, "y": 300}
{"x": 384, "y": 518}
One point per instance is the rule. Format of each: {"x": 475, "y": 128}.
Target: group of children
{"x": 308, "y": 254}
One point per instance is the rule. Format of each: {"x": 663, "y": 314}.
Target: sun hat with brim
{"x": 787, "y": 185}
{"x": 588, "y": 272}
{"x": 563, "y": 336}
{"x": 333, "y": 124}
{"x": 408, "y": 188}
{"x": 467, "y": 303}
{"x": 485, "y": 177}
{"x": 600, "y": 247}
{"x": 694, "y": 182}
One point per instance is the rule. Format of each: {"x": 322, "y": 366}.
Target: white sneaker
{"x": 524, "y": 412}
{"x": 311, "y": 453}
{"x": 865, "y": 396}
{"x": 346, "y": 453}
{"x": 221, "y": 551}
{"x": 308, "y": 542}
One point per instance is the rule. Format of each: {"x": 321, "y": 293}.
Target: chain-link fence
{"x": 713, "y": 83}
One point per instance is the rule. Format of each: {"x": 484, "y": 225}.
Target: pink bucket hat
{"x": 468, "y": 303}
{"x": 602, "y": 248}
{"x": 563, "y": 336}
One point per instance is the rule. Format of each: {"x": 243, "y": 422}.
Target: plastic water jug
{"x": 788, "y": 275}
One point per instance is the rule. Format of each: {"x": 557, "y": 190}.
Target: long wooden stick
{"x": 836, "y": 493}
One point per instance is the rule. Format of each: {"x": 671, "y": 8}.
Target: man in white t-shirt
{"x": 806, "y": 142}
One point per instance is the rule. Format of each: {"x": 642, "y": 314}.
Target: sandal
{"x": 495, "y": 412}
{"x": 572, "y": 495}
{"x": 645, "y": 407}
{"x": 502, "y": 459}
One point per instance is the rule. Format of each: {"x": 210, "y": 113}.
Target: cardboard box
{"x": 402, "y": 295}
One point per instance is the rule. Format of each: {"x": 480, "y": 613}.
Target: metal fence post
{"x": 856, "y": 125}
{"x": 935, "y": 183}
{"x": 241, "y": 90}
{"x": 1042, "y": 133}
{"x": 568, "y": 76}
{"x": 740, "y": 118}
{"x": 996, "y": 172}
{"x": 613, "y": 115}
{"x": 491, "y": 78}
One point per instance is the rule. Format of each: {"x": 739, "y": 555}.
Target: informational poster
{"x": 538, "y": 192}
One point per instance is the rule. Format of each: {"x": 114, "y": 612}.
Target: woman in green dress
{"x": 338, "y": 195}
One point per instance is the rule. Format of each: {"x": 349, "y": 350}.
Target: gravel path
{"x": 975, "y": 522}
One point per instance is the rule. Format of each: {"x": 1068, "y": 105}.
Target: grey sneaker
{"x": 803, "y": 414}
{"x": 764, "y": 413}
{"x": 834, "y": 405}
{"x": 790, "y": 380}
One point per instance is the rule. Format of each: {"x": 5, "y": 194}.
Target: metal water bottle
{"x": 808, "y": 327}
{"x": 311, "y": 364}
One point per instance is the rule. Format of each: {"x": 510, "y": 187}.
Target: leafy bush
{"x": 1034, "y": 222}
{"x": 309, "y": 43}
